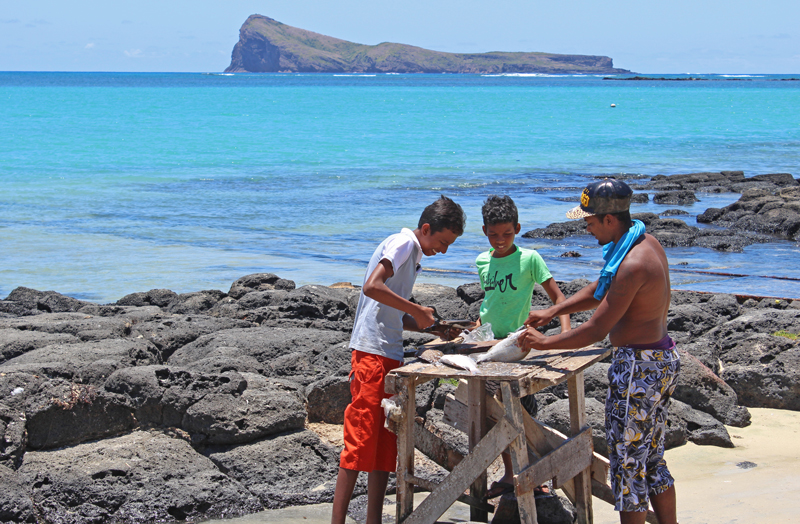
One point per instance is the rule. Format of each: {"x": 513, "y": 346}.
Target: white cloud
{"x": 89, "y": 45}
{"x": 133, "y": 53}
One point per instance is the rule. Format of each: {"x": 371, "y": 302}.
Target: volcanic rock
{"x": 14, "y": 342}
{"x": 445, "y": 300}
{"x": 196, "y": 302}
{"x": 722, "y": 182}
{"x": 556, "y": 415}
{"x": 45, "y": 301}
{"x": 702, "y": 429}
{"x": 289, "y": 469}
{"x": 16, "y": 499}
{"x": 327, "y": 399}
{"x": 773, "y": 213}
{"x": 302, "y": 355}
{"x": 127, "y": 479}
{"x": 670, "y": 232}
{"x": 680, "y": 198}
{"x": 154, "y": 297}
{"x": 13, "y": 436}
{"x": 259, "y": 282}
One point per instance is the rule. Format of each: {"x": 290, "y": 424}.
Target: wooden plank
{"x": 477, "y": 429}
{"x": 564, "y": 462}
{"x": 558, "y": 370}
{"x": 541, "y": 370}
{"x": 466, "y": 499}
{"x": 541, "y": 437}
{"x": 390, "y": 383}
{"x": 577, "y": 421}
{"x": 518, "y": 450}
{"x": 462, "y": 475}
{"x": 405, "y": 447}
{"x": 455, "y": 414}
{"x": 434, "y": 446}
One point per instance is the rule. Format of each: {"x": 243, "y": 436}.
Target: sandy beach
{"x": 757, "y": 482}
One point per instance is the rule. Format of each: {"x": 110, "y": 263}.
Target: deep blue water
{"x": 114, "y": 183}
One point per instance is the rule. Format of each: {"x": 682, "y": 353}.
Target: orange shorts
{"x": 368, "y": 446}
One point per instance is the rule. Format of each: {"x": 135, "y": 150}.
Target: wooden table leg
{"x": 518, "y": 449}
{"x": 406, "y": 393}
{"x": 577, "y": 419}
{"x": 477, "y": 430}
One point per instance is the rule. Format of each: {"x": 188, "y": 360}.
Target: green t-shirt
{"x": 508, "y": 283}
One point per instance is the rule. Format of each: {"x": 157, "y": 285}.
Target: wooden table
{"x": 538, "y": 453}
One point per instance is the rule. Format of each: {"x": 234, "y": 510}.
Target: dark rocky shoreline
{"x": 767, "y": 211}
{"x": 171, "y": 407}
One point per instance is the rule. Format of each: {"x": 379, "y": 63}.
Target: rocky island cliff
{"x": 268, "y": 46}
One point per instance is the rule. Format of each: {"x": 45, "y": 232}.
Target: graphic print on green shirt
{"x": 508, "y": 283}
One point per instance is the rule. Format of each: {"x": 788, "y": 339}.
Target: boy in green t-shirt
{"x": 508, "y": 275}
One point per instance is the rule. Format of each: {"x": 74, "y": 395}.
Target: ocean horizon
{"x": 121, "y": 182}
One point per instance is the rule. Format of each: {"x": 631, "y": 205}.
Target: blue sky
{"x": 680, "y": 36}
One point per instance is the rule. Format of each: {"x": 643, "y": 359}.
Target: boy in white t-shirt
{"x": 384, "y": 311}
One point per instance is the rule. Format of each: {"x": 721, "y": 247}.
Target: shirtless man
{"x": 631, "y": 300}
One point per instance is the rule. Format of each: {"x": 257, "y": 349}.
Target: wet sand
{"x": 714, "y": 485}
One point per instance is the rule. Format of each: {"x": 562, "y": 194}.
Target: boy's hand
{"x": 424, "y": 317}
{"x": 446, "y": 332}
{"x": 538, "y": 317}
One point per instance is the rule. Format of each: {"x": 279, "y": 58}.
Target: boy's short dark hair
{"x": 499, "y": 210}
{"x": 444, "y": 214}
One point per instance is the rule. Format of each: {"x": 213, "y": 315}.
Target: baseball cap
{"x": 599, "y": 198}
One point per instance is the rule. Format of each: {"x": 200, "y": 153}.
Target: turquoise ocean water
{"x": 114, "y": 183}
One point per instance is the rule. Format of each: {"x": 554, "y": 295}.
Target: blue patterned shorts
{"x": 641, "y": 382}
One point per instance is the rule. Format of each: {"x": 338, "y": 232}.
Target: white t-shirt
{"x": 378, "y": 328}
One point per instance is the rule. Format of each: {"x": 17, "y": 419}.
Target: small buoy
{"x": 613, "y": 105}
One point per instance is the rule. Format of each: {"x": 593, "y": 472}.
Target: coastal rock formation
{"x": 290, "y": 469}
{"x": 16, "y": 500}
{"x": 127, "y": 479}
{"x": 722, "y": 182}
{"x": 771, "y": 212}
{"x": 671, "y": 232}
{"x": 680, "y": 198}
{"x": 268, "y": 46}
{"x": 93, "y": 399}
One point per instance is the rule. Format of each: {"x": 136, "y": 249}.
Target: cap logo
{"x": 585, "y": 197}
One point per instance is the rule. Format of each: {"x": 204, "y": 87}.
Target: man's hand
{"x": 531, "y": 339}
{"x": 538, "y": 317}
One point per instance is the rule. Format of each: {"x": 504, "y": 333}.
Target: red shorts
{"x": 368, "y": 446}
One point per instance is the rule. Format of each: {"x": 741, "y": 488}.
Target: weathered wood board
{"x": 539, "y": 370}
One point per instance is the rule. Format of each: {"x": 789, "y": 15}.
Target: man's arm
{"x": 583, "y": 300}
{"x": 417, "y": 317}
{"x": 556, "y": 297}
{"x": 612, "y": 308}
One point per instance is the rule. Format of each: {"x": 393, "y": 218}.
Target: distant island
{"x": 268, "y": 46}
